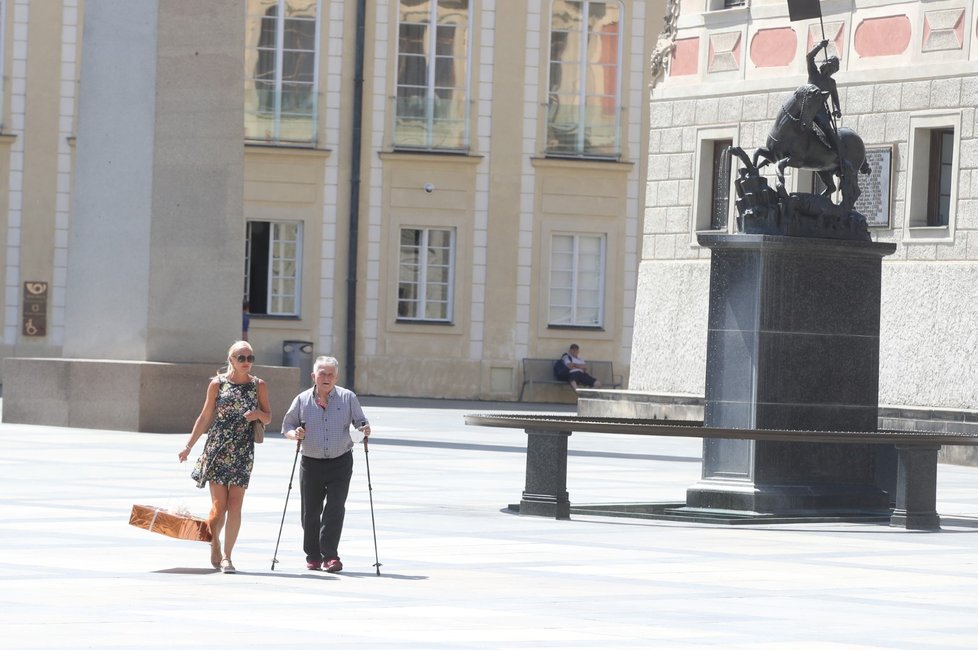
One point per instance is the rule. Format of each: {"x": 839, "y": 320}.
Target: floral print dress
{"x": 229, "y": 452}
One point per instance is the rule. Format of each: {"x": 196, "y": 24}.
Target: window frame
{"x": 724, "y": 5}
{"x": 917, "y": 227}
{"x": 703, "y": 181}
{"x": 273, "y": 282}
{"x": 421, "y": 278}
{"x": 582, "y": 125}
{"x": 575, "y": 289}
{"x": 431, "y": 74}
{"x": 275, "y": 135}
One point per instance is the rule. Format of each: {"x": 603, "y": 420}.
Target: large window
{"x": 584, "y": 103}
{"x": 273, "y": 257}
{"x": 426, "y": 274}
{"x": 431, "y": 107}
{"x": 281, "y": 70}
{"x": 577, "y": 270}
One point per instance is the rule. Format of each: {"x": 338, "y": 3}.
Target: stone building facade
{"x": 459, "y": 190}
{"x": 909, "y": 87}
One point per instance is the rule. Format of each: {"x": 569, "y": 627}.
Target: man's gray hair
{"x": 325, "y": 361}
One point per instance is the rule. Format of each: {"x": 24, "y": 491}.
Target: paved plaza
{"x": 457, "y": 571}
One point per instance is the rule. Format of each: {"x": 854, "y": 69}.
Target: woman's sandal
{"x": 226, "y": 566}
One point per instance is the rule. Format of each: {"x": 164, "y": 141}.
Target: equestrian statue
{"x": 805, "y": 136}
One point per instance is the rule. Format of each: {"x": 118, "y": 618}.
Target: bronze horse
{"x": 792, "y": 142}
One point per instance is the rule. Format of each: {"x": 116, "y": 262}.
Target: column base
{"x": 545, "y": 505}
{"x": 915, "y": 520}
{"x": 145, "y": 396}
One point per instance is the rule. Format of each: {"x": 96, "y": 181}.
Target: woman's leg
{"x": 219, "y": 508}
{"x": 234, "y": 502}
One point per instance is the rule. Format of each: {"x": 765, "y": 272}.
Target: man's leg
{"x": 337, "y": 488}
{"x": 586, "y": 379}
{"x": 312, "y": 489}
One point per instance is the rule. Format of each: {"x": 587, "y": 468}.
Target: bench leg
{"x": 916, "y": 497}
{"x": 545, "y": 493}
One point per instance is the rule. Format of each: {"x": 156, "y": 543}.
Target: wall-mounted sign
{"x": 35, "y": 318}
{"x": 874, "y": 199}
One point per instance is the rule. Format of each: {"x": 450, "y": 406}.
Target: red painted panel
{"x": 773, "y": 48}
{"x": 685, "y": 57}
{"x": 882, "y": 36}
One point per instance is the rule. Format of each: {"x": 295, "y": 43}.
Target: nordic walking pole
{"x": 298, "y": 444}
{"x": 370, "y": 490}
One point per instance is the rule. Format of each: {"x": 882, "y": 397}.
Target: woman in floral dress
{"x": 235, "y": 399}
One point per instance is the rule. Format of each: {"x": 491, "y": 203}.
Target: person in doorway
{"x": 234, "y": 400}
{"x": 578, "y": 369}
{"x": 320, "y": 418}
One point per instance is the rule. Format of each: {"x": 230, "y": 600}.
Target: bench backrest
{"x": 538, "y": 369}
{"x": 543, "y": 370}
{"x": 602, "y": 370}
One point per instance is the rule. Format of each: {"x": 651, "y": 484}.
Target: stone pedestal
{"x": 793, "y": 343}
{"x": 545, "y": 491}
{"x": 916, "y": 497}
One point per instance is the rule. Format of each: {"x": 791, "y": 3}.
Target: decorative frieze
{"x": 685, "y": 57}
{"x": 724, "y": 52}
{"x": 832, "y": 32}
{"x": 943, "y": 30}
{"x": 886, "y": 36}
{"x": 773, "y": 48}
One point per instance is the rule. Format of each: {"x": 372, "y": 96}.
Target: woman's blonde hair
{"x": 228, "y": 368}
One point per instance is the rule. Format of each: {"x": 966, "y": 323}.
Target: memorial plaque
{"x": 35, "y": 317}
{"x": 874, "y": 199}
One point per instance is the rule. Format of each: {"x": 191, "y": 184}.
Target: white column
{"x": 156, "y": 250}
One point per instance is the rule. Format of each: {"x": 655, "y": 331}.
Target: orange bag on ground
{"x": 180, "y": 525}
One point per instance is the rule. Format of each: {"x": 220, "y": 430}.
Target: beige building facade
{"x": 909, "y": 87}
{"x": 463, "y": 188}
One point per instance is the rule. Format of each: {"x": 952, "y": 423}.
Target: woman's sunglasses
{"x": 242, "y": 358}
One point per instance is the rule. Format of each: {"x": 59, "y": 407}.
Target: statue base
{"x": 793, "y": 343}
{"x": 764, "y": 211}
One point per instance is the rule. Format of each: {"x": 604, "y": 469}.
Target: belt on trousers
{"x": 323, "y": 460}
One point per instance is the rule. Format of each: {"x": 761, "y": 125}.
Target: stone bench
{"x": 545, "y": 491}
{"x": 541, "y": 371}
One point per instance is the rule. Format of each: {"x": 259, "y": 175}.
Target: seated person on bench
{"x": 577, "y": 369}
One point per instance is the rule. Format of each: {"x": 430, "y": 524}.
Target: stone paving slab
{"x": 457, "y": 572}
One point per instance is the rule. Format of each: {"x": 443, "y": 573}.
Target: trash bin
{"x": 298, "y": 354}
